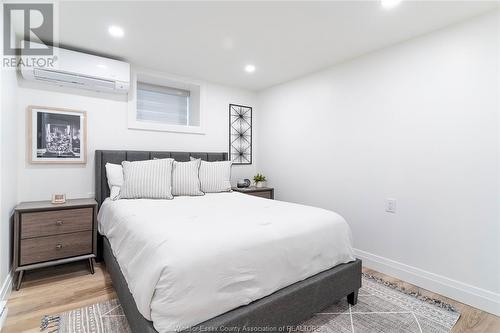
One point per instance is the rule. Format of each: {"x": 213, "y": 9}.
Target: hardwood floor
{"x": 61, "y": 288}
{"x": 53, "y": 290}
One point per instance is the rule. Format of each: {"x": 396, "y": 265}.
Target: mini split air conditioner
{"x": 80, "y": 70}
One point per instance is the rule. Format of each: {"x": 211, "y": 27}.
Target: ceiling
{"x": 213, "y": 41}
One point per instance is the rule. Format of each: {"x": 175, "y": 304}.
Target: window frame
{"x": 166, "y": 81}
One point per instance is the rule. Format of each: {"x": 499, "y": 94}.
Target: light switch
{"x": 390, "y": 205}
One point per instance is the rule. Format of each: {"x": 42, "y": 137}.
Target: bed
{"x": 224, "y": 261}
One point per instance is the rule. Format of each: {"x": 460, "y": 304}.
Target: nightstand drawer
{"x": 55, "y": 222}
{"x": 40, "y": 249}
{"x": 263, "y": 194}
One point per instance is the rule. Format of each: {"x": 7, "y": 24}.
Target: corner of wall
{"x": 8, "y": 166}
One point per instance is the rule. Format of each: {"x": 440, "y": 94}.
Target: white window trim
{"x": 162, "y": 80}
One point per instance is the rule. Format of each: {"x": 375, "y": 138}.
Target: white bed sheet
{"x": 192, "y": 258}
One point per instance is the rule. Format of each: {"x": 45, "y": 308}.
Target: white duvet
{"x": 192, "y": 258}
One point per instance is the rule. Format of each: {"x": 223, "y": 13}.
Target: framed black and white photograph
{"x": 240, "y": 134}
{"x": 57, "y": 135}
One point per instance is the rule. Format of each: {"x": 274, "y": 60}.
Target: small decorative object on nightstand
{"x": 260, "y": 180}
{"x": 47, "y": 234}
{"x": 58, "y": 198}
{"x": 243, "y": 183}
{"x": 263, "y": 192}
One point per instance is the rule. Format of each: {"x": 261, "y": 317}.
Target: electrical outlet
{"x": 390, "y": 205}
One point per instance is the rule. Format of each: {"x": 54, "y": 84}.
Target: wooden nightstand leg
{"x": 19, "y": 280}
{"x": 91, "y": 265}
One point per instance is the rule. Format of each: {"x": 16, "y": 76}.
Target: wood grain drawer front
{"x": 56, "y": 222}
{"x": 263, "y": 194}
{"x": 40, "y": 249}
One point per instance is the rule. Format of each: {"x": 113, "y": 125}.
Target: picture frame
{"x": 58, "y": 198}
{"x": 56, "y": 135}
{"x": 240, "y": 134}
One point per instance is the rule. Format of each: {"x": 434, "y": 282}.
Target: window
{"x": 162, "y": 104}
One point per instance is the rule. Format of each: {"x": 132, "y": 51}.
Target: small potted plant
{"x": 260, "y": 180}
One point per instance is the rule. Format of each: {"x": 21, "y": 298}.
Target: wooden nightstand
{"x": 47, "y": 234}
{"x": 263, "y": 192}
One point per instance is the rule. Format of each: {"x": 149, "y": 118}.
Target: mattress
{"x": 193, "y": 258}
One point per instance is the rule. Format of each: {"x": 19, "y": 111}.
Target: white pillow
{"x": 185, "y": 180}
{"x": 150, "y": 179}
{"x": 215, "y": 176}
{"x": 114, "y": 173}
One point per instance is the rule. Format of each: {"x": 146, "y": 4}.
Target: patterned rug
{"x": 105, "y": 317}
{"x": 382, "y": 307}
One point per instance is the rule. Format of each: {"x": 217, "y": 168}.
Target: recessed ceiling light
{"x": 388, "y": 4}
{"x": 249, "y": 68}
{"x": 116, "y": 31}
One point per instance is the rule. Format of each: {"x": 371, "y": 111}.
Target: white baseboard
{"x": 477, "y": 297}
{"x": 5, "y": 289}
{"x": 3, "y": 313}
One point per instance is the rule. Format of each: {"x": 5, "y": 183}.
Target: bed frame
{"x": 277, "y": 312}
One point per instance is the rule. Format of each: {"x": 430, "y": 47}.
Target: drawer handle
{"x": 59, "y": 222}
{"x": 59, "y": 246}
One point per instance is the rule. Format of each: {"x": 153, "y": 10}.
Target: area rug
{"x": 382, "y": 307}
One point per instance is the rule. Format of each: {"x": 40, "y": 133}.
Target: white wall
{"x": 419, "y": 122}
{"x": 107, "y": 129}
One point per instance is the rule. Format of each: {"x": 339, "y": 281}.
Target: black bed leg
{"x": 352, "y": 298}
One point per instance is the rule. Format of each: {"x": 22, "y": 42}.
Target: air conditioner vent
{"x": 64, "y": 78}
{"x": 84, "y": 71}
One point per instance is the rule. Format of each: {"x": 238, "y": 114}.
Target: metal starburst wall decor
{"x": 240, "y": 134}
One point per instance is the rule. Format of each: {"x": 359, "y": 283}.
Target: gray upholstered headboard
{"x": 118, "y": 156}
